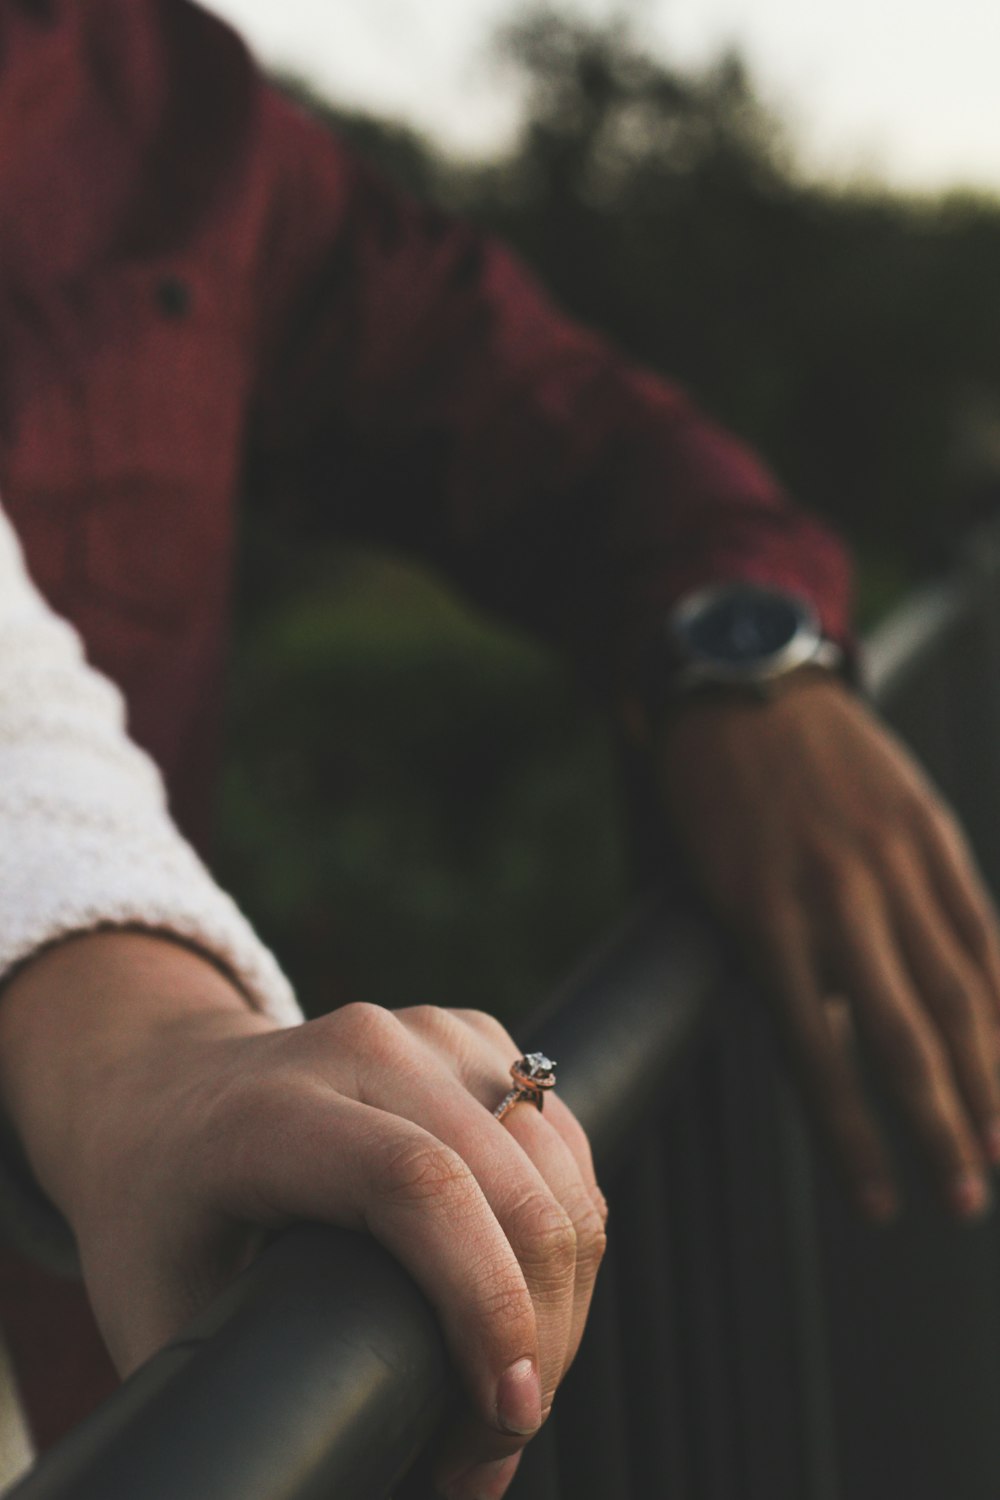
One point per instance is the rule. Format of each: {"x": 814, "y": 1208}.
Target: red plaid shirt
{"x": 202, "y": 291}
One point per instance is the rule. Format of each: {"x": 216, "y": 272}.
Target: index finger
{"x": 327, "y": 1158}
{"x": 823, "y": 1063}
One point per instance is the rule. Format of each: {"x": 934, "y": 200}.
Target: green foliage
{"x": 418, "y": 807}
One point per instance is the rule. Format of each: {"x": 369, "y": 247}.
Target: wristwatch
{"x": 733, "y": 636}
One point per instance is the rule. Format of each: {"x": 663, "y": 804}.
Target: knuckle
{"x": 588, "y": 1227}
{"x": 592, "y": 1242}
{"x": 489, "y": 1027}
{"x": 420, "y": 1170}
{"x": 426, "y": 1015}
{"x": 545, "y": 1236}
{"x": 434, "y": 1021}
{"x": 601, "y": 1206}
{"x": 365, "y": 1023}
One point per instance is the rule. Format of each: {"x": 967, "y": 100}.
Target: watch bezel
{"x": 695, "y": 665}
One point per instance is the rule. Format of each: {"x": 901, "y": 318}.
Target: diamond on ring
{"x": 532, "y": 1075}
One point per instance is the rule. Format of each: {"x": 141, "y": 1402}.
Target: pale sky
{"x": 897, "y": 89}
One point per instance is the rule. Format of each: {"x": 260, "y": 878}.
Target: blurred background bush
{"x": 419, "y": 806}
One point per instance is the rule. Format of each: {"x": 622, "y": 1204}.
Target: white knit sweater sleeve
{"x": 85, "y": 836}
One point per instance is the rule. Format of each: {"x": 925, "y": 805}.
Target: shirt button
{"x": 173, "y": 297}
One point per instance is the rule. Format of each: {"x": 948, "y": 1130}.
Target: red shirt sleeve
{"x": 419, "y": 388}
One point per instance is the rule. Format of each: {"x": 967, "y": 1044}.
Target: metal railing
{"x": 748, "y": 1339}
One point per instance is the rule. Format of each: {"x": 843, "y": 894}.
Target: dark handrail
{"x": 898, "y": 650}
{"x": 321, "y": 1371}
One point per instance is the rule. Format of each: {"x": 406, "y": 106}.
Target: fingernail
{"x": 970, "y": 1194}
{"x": 484, "y": 1482}
{"x": 993, "y": 1141}
{"x": 879, "y": 1201}
{"x": 519, "y": 1399}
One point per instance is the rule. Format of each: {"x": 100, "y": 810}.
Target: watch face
{"x": 740, "y": 626}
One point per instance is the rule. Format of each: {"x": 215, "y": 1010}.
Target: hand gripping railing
{"x": 712, "y": 1368}
{"x": 321, "y": 1372}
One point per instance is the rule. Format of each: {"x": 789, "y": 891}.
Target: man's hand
{"x": 172, "y": 1125}
{"x": 821, "y": 846}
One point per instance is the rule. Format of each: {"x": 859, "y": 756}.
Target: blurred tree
{"x": 839, "y": 331}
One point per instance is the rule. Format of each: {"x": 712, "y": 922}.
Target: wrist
{"x": 729, "y": 642}
{"x": 95, "y": 1034}
{"x": 647, "y": 729}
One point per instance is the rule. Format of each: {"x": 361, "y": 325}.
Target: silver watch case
{"x": 695, "y": 666}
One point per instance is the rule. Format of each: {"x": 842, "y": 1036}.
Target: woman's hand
{"x": 172, "y": 1125}
{"x": 822, "y": 847}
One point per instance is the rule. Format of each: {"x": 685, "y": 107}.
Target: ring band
{"x": 532, "y": 1075}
